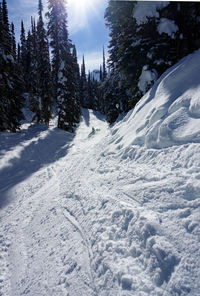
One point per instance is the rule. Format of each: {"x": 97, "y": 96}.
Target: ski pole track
{"x": 76, "y": 224}
{"x": 4, "y": 265}
{"x": 130, "y": 200}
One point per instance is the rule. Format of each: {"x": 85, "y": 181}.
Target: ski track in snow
{"x": 81, "y": 216}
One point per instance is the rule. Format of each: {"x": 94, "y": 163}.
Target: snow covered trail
{"x": 81, "y": 215}
{"x": 43, "y": 249}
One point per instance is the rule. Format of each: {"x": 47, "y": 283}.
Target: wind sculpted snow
{"x": 169, "y": 114}
{"x": 94, "y": 215}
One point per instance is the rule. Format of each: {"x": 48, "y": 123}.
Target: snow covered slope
{"x": 93, "y": 214}
{"x": 169, "y": 114}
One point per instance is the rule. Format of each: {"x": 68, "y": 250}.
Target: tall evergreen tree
{"x": 100, "y": 73}
{"x": 83, "y": 86}
{"x": 14, "y": 53}
{"x": 10, "y": 84}
{"x": 90, "y": 92}
{"x": 104, "y": 74}
{"x": 76, "y": 72}
{"x": 18, "y": 54}
{"x": 32, "y": 73}
{"x": 22, "y": 57}
{"x": 44, "y": 78}
{"x": 62, "y": 62}
{"x": 5, "y": 15}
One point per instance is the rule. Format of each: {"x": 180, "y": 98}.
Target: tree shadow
{"x": 41, "y": 151}
{"x": 86, "y": 116}
{"x": 99, "y": 116}
{"x": 10, "y": 140}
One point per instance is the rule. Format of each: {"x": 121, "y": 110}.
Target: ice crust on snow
{"x": 169, "y": 114}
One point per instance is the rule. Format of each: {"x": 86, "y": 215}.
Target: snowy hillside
{"x": 107, "y": 211}
{"x": 169, "y": 114}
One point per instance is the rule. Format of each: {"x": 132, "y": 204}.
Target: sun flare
{"x": 80, "y": 10}
{"x": 82, "y": 4}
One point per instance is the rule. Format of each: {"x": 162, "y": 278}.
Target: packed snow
{"x": 108, "y": 211}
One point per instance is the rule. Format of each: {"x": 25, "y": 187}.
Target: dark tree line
{"x": 11, "y": 100}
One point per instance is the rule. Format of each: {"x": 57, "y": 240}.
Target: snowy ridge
{"x": 94, "y": 214}
{"x": 169, "y": 114}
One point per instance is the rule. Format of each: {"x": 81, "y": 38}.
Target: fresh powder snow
{"x": 146, "y": 78}
{"x": 167, "y": 26}
{"x": 145, "y": 9}
{"x": 107, "y": 211}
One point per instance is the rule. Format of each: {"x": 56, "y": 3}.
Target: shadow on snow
{"x": 43, "y": 150}
{"x": 86, "y": 115}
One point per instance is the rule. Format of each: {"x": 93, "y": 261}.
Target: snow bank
{"x": 169, "y": 113}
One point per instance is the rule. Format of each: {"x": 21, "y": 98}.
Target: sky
{"x": 86, "y": 25}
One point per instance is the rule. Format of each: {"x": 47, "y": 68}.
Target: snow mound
{"x": 169, "y": 113}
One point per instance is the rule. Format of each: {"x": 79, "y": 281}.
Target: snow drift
{"x": 169, "y": 113}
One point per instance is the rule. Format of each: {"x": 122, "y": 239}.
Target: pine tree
{"x": 24, "y": 59}
{"x": 115, "y": 96}
{"x": 44, "y": 78}
{"x": 14, "y": 53}
{"x": 136, "y": 47}
{"x": 76, "y": 72}
{"x": 32, "y": 73}
{"x": 18, "y": 54}
{"x": 3, "y": 100}
{"x": 96, "y": 97}
{"x": 90, "y": 92}
{"x": 10, "y": 84}
{"x": 100, "y": 73}
{"x": 122, "y": 26}
{"x": 5, "y": 16}
{"x": 63, "y": 70}
{"x": 104, "y": 74}
{"x": 100, "y": 92}
{"x": 83, "y": 86}
{"x": 23, "y": 52}
{"x": 186, "y": 16}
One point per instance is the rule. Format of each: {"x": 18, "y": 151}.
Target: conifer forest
{"x": 99, "y": 148}
{"x": 57, "y": 84}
